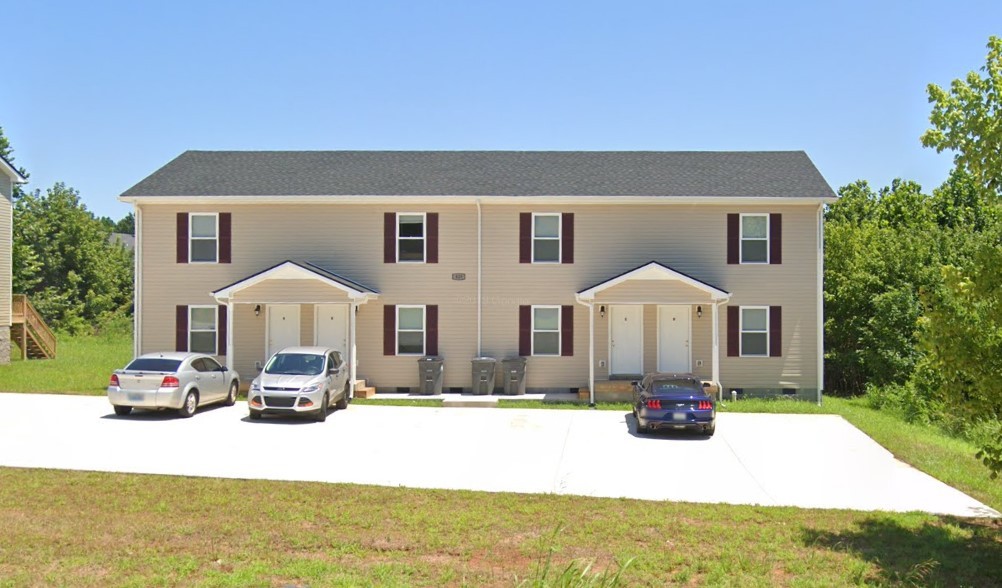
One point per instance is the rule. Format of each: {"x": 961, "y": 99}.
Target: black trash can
{"x": 513, "y": 372}
{"x": 484, "y": 369}
{"x": 430, "y": 373}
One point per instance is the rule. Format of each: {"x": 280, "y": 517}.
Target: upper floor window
{"x": 754, "y": 238}
{"x": 754, "y": 331}
{"x": 546, "y": 238}
{"x": 410, "y": 330}
{"x": 202, "y": 329}
{"x": 411, "y": 237}
{"x": 546, "y": 330}
{"x": 204, "y": 238}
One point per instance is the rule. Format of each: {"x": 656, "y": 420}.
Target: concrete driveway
{"x": 797, "y": 460}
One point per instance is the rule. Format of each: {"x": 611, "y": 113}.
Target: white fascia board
{"x": 289, "y": 271}
{"x": 513, "y": 200}
{"x": 11, "y": 171}
{"x": 654, "y": 271}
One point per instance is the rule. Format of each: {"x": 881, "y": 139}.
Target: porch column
{"x": 591, "y": 353}
{"x": 716, "y": 345}
{"x": 353, "y": 309}
{"x": 229, "y": 334}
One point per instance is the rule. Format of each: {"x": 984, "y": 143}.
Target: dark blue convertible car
{"x": 673, "y": 401}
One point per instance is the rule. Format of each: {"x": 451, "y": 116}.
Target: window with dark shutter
{"x": 525, "y": 238}
{"x": 775, "y": 331}
{"x": 775, "y": 238}
{"x": 182, "y": 237}
{"x": 733, "y": 238}
{"x": 567, "y": 331}
{"x": 733, "y": 331}
{"x": 181, "y": 326}
{"x": 389, "y": 329}
{"x": 389, "y": 237}
{"x": 431, "y": 336}
{"x": 432, "y": 230}
{"x": 221, "y": 331}
{"x": 225, "y": 237}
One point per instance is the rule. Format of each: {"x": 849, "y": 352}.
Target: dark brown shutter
{"x": 567, "y": 236}
{"x": 389, "y": 329}
{"x": 775, "y": 331}
{"x": 181, "y": 328}
{"x": 389, "y": 237}
{"x": 225, "y": 236}
{"x": 182, "y": 237}
{"x": 221, "y": 330}
{"x": 525, "y": 330}
{"x": 525, "y": 238}
{"x": 431, "y": 329}
{"x": 775, "y": 238}
{"x": 432, "y": 244}
{"x": 733, "y": 238}
{"x": 733, "y": 331}
{"x": 567, "y": 331}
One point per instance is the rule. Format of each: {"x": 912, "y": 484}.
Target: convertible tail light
{"x": 654, "y": 403}
{"x": 705, "y": 405}
{"x": 170, "y": 382}
{"x": 114, "y": 381}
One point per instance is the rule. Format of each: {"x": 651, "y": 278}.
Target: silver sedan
{"x": 178, "y": 381}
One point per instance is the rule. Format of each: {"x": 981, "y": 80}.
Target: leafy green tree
{"x": 127, "y": 225}
{"x": 8, "y": 153}
{"x": 967, "y": 119}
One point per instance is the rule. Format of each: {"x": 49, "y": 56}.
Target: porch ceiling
{"x": 295, "y": 281}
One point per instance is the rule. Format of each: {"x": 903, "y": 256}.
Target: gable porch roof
{"x": 653, "y": 271}
{"x": 299, "y": 270}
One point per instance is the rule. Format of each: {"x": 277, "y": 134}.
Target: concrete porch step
{"x": 470, "y": 401}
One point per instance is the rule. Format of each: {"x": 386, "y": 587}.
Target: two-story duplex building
{"x": 591, "y": 264}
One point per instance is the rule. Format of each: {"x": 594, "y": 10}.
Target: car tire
{"x": 710, "y": 430}
{"x": 343, "y": 402}
{"x": 324, "y": 406}
{"x": 255, "y": 415}
{"x": 122, "y": 410}
{"x": 231, "y": 398}
{"x": 642, "y": 429}
{"x": 190, "y": 405}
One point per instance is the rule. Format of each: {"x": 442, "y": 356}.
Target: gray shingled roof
{"x": 486, "y": 173}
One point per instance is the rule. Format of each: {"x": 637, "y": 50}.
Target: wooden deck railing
{"x": 24, "y": 313}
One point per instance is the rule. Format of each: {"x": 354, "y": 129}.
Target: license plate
{"x": 678, "y": 416}
{"x": 136, "y": 397}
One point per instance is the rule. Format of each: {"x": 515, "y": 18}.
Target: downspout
{"x": 479, "y": 277}
{"x": 821, "y": 300}
{"x": 137, "y": 290}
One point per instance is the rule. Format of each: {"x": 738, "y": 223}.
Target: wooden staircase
{"x": 363, "y": 391}
{"x": 29, "y": 331}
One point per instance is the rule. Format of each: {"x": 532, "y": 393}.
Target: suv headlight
{"x": 311, "y": 388}
{"x": 255, "y": 386}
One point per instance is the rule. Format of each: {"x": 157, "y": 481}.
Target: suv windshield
{"x": 675, "y": 387}
{"x": 154, "y": 364}
{"x": 295, "y": 364}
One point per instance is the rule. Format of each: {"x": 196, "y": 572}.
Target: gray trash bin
{"x": 430, "y": 374}
{"x": 513, "y": 372}
{"x": 484, "y": 369}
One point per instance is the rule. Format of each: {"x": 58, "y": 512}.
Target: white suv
{"x": 300, "y": 381}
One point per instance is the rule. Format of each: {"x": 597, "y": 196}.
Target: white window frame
{"x": 424, "y": 237}
{"x": 559, "y": 239}
{"x": 192, "y": 238}
{"x": 741, "y": 238}
{"x": 214, "y": 331}
{"x": 741, "y": 330}
{"x": 423, "y": 330}
{"x": 560, "y": 327}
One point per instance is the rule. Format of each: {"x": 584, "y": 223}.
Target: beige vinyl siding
{"x": 6, "y": 261}
{"x": 609, "y": 240}
{"x": 347, "y": 239}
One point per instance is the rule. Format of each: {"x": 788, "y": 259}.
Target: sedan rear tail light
{"x": 705, "y": 405}
{"x": 170, "y": 382}
{"x": 654, "y": 403}
{"x": 114, "y": 381}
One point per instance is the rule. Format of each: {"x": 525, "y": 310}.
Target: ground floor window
{"x": 546, "y": 330}
{"x": 410, "y": 330}
{"x": 754, "y": 331}
{"x": 202, "y": 329}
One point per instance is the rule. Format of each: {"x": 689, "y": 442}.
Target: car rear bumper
{"x": 671, "y": 419}
{"x": 159, "y": 398}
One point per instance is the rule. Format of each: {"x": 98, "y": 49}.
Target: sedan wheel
{"x": 343, "y": 402}
{"x": 190, "y": 404}
{"x": 324, "y": 407}
{"x": 231, "y": 398}
{"x": 122, "y": 410}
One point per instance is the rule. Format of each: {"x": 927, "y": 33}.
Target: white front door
{"x": 626, "y": 339}
{"x": 673, "y": 338}
{"x": 332, "y": 327}
{"x": 283, "y": 327}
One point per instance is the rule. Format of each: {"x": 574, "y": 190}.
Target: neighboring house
{"x": 124, "y": 239}
{"x": 9, "y": 176}
{"x": 592, "y": 264}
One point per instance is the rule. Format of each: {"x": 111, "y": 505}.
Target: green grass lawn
{"x": 104, "y": 529}
{"x": 82, "y": 365}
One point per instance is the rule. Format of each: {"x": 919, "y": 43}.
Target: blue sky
{"x": 100, "y": 94}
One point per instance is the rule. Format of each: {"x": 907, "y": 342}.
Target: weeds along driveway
{"x": 796, "y": 460}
